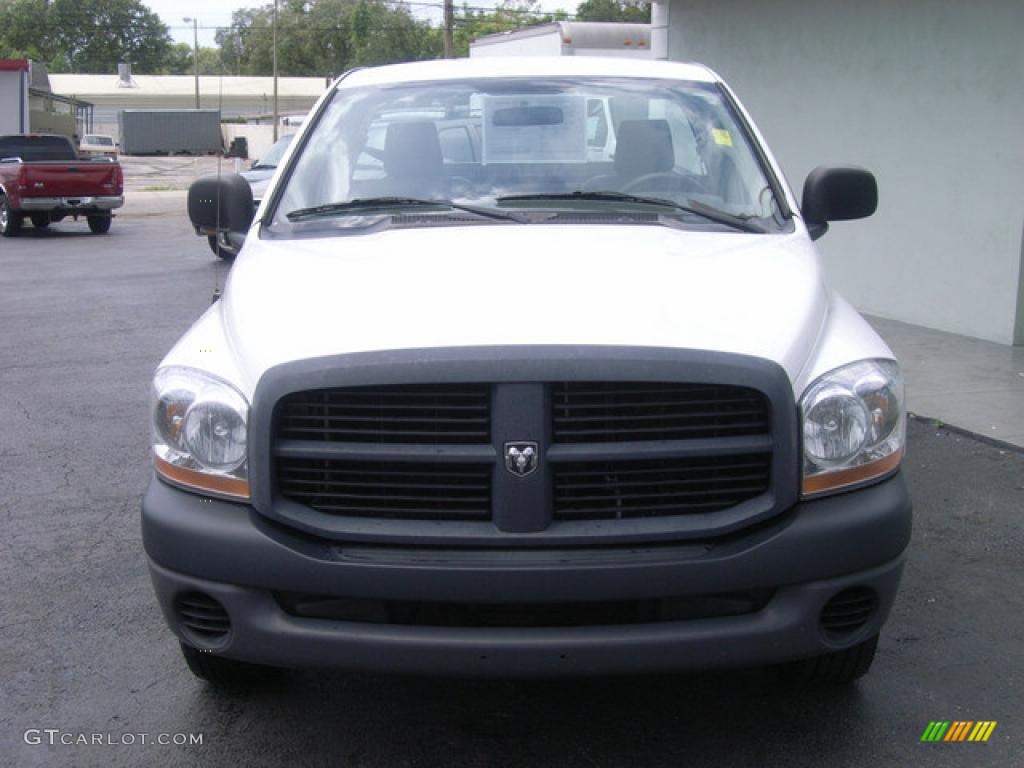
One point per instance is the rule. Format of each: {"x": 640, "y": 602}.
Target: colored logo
{"x": 958, "y": 730}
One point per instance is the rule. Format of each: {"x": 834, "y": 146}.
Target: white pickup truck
{"x": 475, "y": 402}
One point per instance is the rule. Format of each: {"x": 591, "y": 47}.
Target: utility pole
{"x": 449, "y": 25}
{"x": 195, "y": 51}
{"x": 274, "y": 25}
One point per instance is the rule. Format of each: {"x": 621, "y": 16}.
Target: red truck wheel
{"x": 99, "y": 225}
{"x": 10, "y": 222}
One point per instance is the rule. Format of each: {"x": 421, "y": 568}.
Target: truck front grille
{"x": 625, "y": 445}
{"x": 624, "y": 489}
{"x": 407, "y": 490}
{"x": 619, "y": 411}
{"x": 414, "y": 413}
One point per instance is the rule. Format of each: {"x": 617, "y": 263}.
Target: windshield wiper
{"x": 376, "y": 203}
{"x": 691, "y": 206}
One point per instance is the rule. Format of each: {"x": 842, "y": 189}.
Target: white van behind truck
{"x": 475, "y": 401}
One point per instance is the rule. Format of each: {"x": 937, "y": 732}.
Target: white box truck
{"x": 568, "y": 38}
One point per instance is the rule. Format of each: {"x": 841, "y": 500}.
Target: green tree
{"x": 321, "y": 37}
{"x": 179, "y": 61}
{"x": 84, "y": 35}
{"x": 23, "y": 30}
{"x": 633, "y": 11}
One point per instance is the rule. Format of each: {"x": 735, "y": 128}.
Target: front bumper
{"x": 69, "y": 205}
{"x": 805, "y": 555}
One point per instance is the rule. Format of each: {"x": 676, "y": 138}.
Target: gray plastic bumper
{"x": 806, "y": 556}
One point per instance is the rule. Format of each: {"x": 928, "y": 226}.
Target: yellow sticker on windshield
{"x": 721, "y": 136}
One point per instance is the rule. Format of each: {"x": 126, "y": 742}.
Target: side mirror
{"x": 837, "y": 194}
{"x": 221, "y": 205}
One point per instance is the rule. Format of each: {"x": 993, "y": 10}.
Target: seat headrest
{"x": 412, "y": 150}
{"x": 642, "y": 147}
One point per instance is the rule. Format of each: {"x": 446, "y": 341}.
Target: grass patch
{"x": 160, "y": 188}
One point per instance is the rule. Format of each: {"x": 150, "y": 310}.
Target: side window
{"x": 456, "y": 145}
{"x": 597, "y": 124}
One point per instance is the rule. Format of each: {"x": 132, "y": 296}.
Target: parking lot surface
{"x": 83, "y": 648}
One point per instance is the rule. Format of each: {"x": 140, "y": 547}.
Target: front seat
{"x": 642, "y": 147}
{"x": 412, "y": 160}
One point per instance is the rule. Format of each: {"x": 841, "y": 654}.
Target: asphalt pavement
{"x": 84, "y": 320}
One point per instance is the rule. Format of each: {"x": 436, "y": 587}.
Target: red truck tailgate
{"x": 60, "y": 179}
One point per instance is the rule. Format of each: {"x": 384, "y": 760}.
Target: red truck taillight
{"x": 21, "y": 183}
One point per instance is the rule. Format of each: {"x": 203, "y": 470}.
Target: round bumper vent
{"x": 848, "y": 611}
{"x": 203, "y": 620}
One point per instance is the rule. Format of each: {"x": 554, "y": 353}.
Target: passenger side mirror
{"x": 221, "y": 205}
{"x": 837, "y": 194}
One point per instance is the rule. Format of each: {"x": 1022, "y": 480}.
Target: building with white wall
{"x": 928, "y": 95}
{"x": 14, "y": 81}
{"x": 234, "y": 96}
{"x": 27, "y": 105}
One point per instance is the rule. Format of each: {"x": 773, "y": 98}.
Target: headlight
{"x": 199, "y": 432}
{"x": 853, "y": 426}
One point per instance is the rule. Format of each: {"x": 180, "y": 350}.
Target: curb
{"x": 939, "y": 424}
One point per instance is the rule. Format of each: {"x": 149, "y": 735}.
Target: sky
{"x": 214, "y": 13}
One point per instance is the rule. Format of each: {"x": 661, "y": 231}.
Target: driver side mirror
{"x": 837, "y": 194}
{"x": 221, "y": 205}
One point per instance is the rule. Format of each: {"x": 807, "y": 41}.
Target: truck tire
{"x": 219, "y": 671}
{"x": 837, "y": 668}
{"x": 40, "y": 220}
{"x": 10, "y": 222}
{"x": 99, "y": 225}
{"x": 217, "y": 250}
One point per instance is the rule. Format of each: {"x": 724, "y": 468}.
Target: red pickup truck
{"x": 43, "y": 179}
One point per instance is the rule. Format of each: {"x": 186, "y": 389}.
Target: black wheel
{"x": 40, "y": 220}
{"x": 10, "y": 222}
{"x": 217, "y": 670}
{"x": 219, "y": 250}
{"x": 834, "y": 668}
{"x": 99, "y": 225}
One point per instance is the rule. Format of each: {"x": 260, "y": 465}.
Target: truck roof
{"x": 527, "y": 66}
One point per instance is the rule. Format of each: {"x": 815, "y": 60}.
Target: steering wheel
{"x": 639, "y": 181}
{"x": 459, "y": 186}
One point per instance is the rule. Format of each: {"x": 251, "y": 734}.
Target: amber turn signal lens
{"x": 201, "y": 481}
{"x": 834, "y": 481}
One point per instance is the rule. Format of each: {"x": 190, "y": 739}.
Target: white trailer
{"x": 568, "y": 38}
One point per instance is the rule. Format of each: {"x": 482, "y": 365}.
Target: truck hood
{"x": 761, "y": 295}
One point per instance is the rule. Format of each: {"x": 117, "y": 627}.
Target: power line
{"x": 338, "y": 27}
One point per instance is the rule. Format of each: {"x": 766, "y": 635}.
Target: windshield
{"x": 102, "y": 141}
{"x": 518, "y": 144}
{"x": 274, "y": 154}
